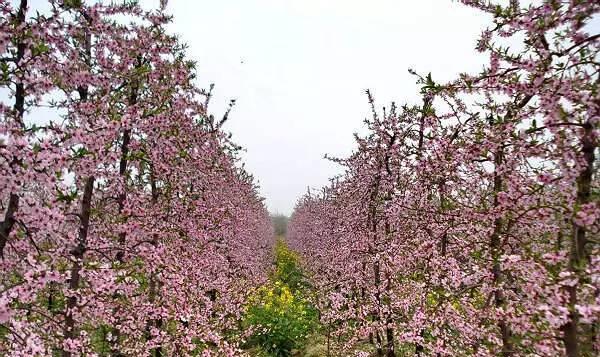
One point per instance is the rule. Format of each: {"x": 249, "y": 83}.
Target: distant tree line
{"x": 280, "y": 222}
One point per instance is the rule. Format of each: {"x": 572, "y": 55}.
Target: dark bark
{"x": 115, "y": 352}
{"x": 121, "y": 198}
{"x": 377, "y": 276}
{"x": 372, "y": 224}
{"x": 9, "y": 221}
{"x": 496, "y": 253}
{"x": 579, "y": 256}
{"x": 123, "y": 195}
{"x": 84, "y": 223}
{"x": 78, "y": 254}
{"x": 389, "y": 335}
{"x": 444, "y": 239}
{"x": 19, "y": 108}
{"x": 154, "y": 283}
{"x": 133, "y": 98}
{"x": 426, "y": 108}
{"x": 379, "y": 344}
{"x": 389, "y": 330}
{"x": 20, "y": 87}
{"x": 419, "y": 349}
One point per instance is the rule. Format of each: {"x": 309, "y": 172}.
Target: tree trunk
{"x": 419, "y": 349}
{"x": 78, "y": 254}
{"x": 19, "y": 107}
{"x": 121, "y": 198}
{"x": 579, "y": 257}
{"x": 496, "y": 253}
{"x": 133, "y": 98}
{"x": 154, "y": 284}
{"x": 84, "y": 222}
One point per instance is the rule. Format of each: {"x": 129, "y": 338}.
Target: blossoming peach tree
{"x": 128, "y": 225}
{"x": 469, "y": 224}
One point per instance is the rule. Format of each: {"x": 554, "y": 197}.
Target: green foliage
{"x": 39, "y": 49}
{"x": 281, "y": 320}
{"x": 67, "y": 197}
{"x": 5, "y": 73}
{"x": 72, "y": 4}
{"x": 278, "y": 313}
{"x": 99, "y": 338}
{"x": 287, "y": 270}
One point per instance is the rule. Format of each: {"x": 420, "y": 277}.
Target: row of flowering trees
{"x": 469, "y": 225}
{"x": 128, "y": 226}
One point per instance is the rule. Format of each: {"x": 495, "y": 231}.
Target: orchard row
{"x": 468, "y": 225}
{"x": 129, "y": 227}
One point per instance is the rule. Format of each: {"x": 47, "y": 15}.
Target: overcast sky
{"x": 298, "y": 70}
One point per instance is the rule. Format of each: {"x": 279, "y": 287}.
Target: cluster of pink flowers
{"x": 128, "y": 226}
{"x": 468, "y": 225}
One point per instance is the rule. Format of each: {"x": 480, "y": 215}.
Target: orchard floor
{"x": 282, "y": 309}
{"x": 316, "y": 347}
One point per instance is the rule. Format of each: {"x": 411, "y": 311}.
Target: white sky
{"x": 299, "y": 68}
